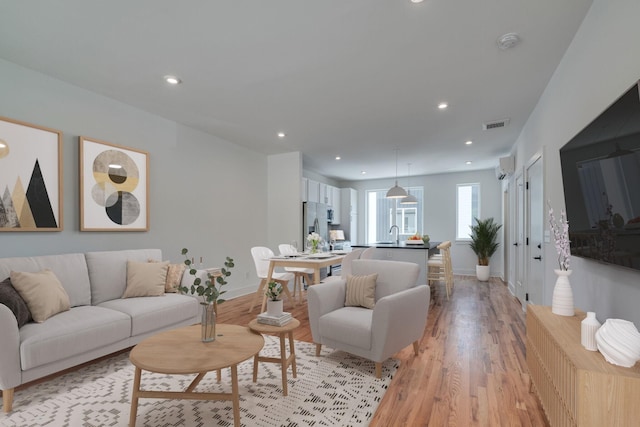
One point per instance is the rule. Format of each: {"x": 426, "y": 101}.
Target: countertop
{"x": 402, "y": 245}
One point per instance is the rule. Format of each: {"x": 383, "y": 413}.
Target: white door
{"x": 535, "y": 231}
{"x": 519, "y": 242}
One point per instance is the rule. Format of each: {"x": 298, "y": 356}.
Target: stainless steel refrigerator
{"x": 314, "y": 219}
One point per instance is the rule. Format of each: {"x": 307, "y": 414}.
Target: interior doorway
{"x": 518, "y": 244}
{"x": 534, "y": 187}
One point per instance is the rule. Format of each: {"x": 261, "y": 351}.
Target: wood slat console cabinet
{"x": 577, "y": 387}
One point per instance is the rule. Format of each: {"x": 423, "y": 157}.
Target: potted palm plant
{"x": 274, "y": 303}
{"x": 484, "y": 242}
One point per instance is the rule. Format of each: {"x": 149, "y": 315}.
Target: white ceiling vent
{"x": 496, "y": 124}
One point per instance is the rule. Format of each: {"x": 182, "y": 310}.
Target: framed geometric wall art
{"x": 30, "y": 177}
{"x": 114, "y": 187}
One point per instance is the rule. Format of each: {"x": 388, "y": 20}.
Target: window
{"x": 383, "y": 213}
{"x": 467, "y": 208}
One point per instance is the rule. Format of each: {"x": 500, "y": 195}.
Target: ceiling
{"x": 356, "y": 79}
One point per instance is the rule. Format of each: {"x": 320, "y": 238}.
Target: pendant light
{"x": 396, "y": 192}
{"x": 410, "y": 199}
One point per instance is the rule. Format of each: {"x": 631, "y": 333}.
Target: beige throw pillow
{"x": 43, "y": 293}
{"x": 174, "y": 277}
{"x": 145, "y": 279}
{"x": 361, "y": 291}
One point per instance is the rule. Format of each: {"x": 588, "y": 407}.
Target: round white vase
{"x": 588, "y": 329}
{"x": 562, "y": 301}
{"x": 482, "y": 272}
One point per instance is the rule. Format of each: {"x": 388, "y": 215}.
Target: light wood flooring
{"x": 471, "y": 370}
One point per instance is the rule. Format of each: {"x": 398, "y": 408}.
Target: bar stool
{"x": 439, "y": 267}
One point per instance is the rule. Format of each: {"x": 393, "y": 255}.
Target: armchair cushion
{"x": 361, "y": 291}
{"x": 348, "y": 325}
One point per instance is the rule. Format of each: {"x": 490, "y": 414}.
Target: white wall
{"x": 284, "y": 204}
{"x": 195, "y": 178}
{"x": 601, "y": 63}
{"x": 440, "y": 211}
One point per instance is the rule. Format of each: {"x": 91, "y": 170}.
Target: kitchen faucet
{"x": 397, "y": 233}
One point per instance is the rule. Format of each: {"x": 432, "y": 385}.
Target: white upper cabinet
{"x": 313, "y": 191}
{"x": 336, "y": 205}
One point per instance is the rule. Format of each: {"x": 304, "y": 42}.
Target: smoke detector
{"x": 508, "y": 40}
{"x": 496, "y": 124}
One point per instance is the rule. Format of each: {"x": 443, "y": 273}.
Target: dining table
{"x": 315, "y": 261}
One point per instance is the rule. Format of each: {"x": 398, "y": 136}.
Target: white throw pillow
{"x": 145, "y": 279}
{"x": 43, "y": 293}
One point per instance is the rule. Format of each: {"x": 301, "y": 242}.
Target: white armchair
{"x": 397, "y": 320}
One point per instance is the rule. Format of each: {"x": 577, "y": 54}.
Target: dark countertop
{"x": 402, "y": 245}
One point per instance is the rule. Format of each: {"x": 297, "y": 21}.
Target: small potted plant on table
{"x": 274, "y": 303}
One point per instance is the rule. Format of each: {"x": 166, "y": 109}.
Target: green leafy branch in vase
{"x": 208, "y": 290}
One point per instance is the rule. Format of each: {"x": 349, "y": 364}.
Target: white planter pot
{"x": 274, "y": 308}
{"x": 482, "y": 272}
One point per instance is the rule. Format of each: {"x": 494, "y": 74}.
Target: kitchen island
{"x": 404, "y": 252}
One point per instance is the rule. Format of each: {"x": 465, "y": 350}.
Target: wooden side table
{"x": 284, "y": 361}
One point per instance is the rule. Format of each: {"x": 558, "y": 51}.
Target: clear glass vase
{"x": 208, "y": 321}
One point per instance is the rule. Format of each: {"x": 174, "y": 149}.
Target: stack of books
{"x": 274, "y": 320}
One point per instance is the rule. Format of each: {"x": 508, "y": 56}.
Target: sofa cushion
{"x": 70, "y": 269}
{"x": 43, "y": 293}
{"x": 108, "y": 271}
{"x": 145, "y": 279}
{"x": 361, "y": 291}
{"x": 150, "y": 313}
{"x": 348, "y": 325}
{"x": 12, "y": 299}
{"x": 73, "y": 332}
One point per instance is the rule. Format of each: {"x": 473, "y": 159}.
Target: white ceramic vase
{"x": 483, "y": 272}
{"x": 588, "y": 329}
{"x": 274, "y": 308}
{"x": 562, "y": 302}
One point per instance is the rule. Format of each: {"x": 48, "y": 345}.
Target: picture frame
{"x": 30, "y": 177}
{"x": 114, "y": 187}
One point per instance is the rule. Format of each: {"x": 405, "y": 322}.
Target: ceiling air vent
{"x": 496, "y": 124}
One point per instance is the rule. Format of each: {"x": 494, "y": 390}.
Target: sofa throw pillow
{"x": 145, "y": 279}
{"x": 43, "y": 293}
{"x": 12, "y": 299}
{"x": 361, "y": 291}
{"x": 174, "y": 276}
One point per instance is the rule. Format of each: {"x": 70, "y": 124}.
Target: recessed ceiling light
{"x": 468, "y": 162}
{"x": 417, "y": 1}
{"x": 338, "y": 157}
{"x": 281, "y": 134}
{"x": 363, "y": 172}
{"x": 443, "y": 105}
{"x": 468, "y": 142}
{"x": 172, "y": 80}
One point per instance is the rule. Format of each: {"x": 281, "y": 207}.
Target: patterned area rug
{"x": 336, "y": 389}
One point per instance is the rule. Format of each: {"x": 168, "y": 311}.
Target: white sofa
{"x": 99, "y": 322}
{"x": 398, "y": 318}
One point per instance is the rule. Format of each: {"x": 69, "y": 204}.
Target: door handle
{"x": 539, "y": 246}
{"x": 515, "y": 244}
{"x": 539, "y": 258}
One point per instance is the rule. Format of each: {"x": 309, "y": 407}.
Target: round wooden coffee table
{"x": 283, "y": 332}
{"x": 181, "y": 351}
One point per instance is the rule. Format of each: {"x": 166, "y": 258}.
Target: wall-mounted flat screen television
{"x": 601, "y": 178}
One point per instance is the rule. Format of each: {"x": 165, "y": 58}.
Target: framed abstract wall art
{"x": 30, "y": 177}
{"x": 114, "y": 187}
